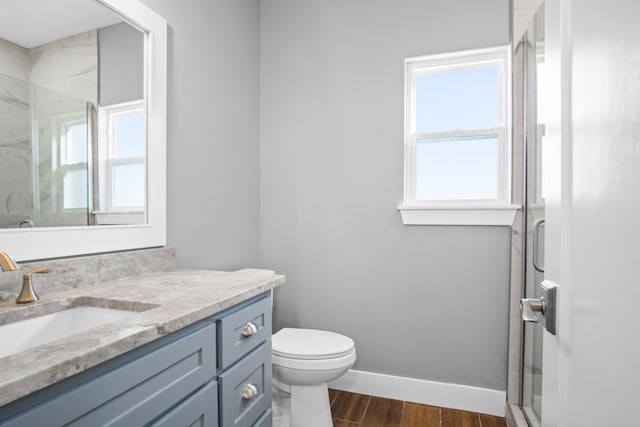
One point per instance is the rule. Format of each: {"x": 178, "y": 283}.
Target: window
{"x": 125, "y": 179}
{"x": 126, "y": 165}
{"x": 70, "y": 163}
{"x": 457, "y": 139}
{"x": 74, "y": 165}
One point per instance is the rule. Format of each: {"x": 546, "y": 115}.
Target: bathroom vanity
{"x": 195, "y": 350}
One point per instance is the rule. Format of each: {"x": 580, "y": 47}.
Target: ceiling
{"x": 31, "y": 23}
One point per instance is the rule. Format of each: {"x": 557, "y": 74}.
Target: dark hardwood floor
{"x": 358, "y": 410}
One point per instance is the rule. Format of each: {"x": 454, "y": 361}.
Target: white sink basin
{"x": 25, "y": 334}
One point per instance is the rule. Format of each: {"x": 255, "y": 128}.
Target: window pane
{"x": 75, "y": 139}
{"x": 457, "y": 168}
{"x": 457, "y": 100}
{"x": 128, "y": 185}
{"x": 129, "y": 135}
{"x": 75, "y": 189}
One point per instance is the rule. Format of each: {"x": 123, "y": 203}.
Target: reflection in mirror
{"x": 72, "y": 116}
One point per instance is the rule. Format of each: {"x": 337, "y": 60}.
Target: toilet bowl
{"x": 304, "y": 361}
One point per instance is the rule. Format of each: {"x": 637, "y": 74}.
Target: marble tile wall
{"x": 14, "y": 60}
{"x": 68, "y": 66}
{"x": 16, "y": 184}
{"x": 69, "y": 273}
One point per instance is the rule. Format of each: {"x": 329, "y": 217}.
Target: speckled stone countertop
{"x": 164, "y": 302}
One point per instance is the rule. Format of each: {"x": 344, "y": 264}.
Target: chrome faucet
{"x": 7, "y": 263}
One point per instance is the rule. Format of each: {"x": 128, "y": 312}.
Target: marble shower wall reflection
{"x": 44, "y": 96}
{"x": 16, "y": 178}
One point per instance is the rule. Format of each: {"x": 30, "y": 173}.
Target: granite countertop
{"x": 164, "y": 302}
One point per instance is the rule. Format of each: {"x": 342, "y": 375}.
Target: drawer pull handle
{"x": 249, "y": 329}
{"x": 250, "y": 391}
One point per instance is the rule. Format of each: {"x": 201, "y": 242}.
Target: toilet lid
{"x": 310, "y": 344}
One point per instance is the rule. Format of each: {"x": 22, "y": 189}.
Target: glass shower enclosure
{"x": 44, "y": 157}
{"x": 532, "y": 369}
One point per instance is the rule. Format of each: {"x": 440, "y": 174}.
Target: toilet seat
{"x": 311, "y": 349}
{"x": 310, "y": 344}
{"x": 315, "y": 365}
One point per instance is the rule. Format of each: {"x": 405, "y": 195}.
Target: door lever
{"x": 531, "y": 306}
{"x": 542, "y": 310}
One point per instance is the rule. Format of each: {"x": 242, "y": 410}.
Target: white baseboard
{"x": 455, "y": 396}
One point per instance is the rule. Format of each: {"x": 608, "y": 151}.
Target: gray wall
{"x": 213, "y": 131}
{"x": 120, "y": 64}
{"x": 310, "y": 93}
{"x": 420, "y": 301}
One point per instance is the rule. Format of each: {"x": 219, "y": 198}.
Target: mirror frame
{"x": 28, "y": 244}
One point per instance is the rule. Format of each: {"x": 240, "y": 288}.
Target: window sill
{"x": 458, "y": 215}
{"x": 119, "y": 218}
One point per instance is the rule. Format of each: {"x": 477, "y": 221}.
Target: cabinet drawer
{"x": 266, "y": 420}
{"x": 254, "y": 370}
{"x": 233, "y": 344}
{"x": 200, "y": 410}
{"x": 135, "y": 393}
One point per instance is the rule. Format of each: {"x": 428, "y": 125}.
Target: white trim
{"x": 455, "y": 396}
{"x": 474, "y": 55}
{"x": 118, "y": 218}
{"x": 458, "y": 215}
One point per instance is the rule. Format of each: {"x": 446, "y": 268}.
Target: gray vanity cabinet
{"x": 131, "y": 392}
{"x": 216, "y": 372}
{"x": 196, "y": 410}
{"x": 244, "y": 357}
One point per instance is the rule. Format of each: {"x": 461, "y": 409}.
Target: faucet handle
{"x": 41, "y": 270}
{"x": 28, "y": 294}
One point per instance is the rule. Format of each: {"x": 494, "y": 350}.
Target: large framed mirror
{"x": 82, "y": 127}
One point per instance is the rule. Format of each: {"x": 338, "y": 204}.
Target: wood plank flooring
{"x": 359, "y": 410}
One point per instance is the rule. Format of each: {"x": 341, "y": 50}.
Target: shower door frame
{"x": 524, "y": 53}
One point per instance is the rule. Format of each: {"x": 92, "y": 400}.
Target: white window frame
{"x": 498, "y": 211}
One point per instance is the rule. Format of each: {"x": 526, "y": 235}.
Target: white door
{"x": 592, "y": 247}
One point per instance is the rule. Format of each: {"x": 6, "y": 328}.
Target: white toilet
{"x": 304, "y": 361}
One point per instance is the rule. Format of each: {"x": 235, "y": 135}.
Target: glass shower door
{"x": 534, "y": 259}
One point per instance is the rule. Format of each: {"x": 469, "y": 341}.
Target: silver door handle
{"x": 531, "y": 306}
{"x": 542, "y": 310}
{"x": 536, "y": 240}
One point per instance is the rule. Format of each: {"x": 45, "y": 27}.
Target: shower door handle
{"x": 535, "y": 231}
{"x": 542, "y": 310}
